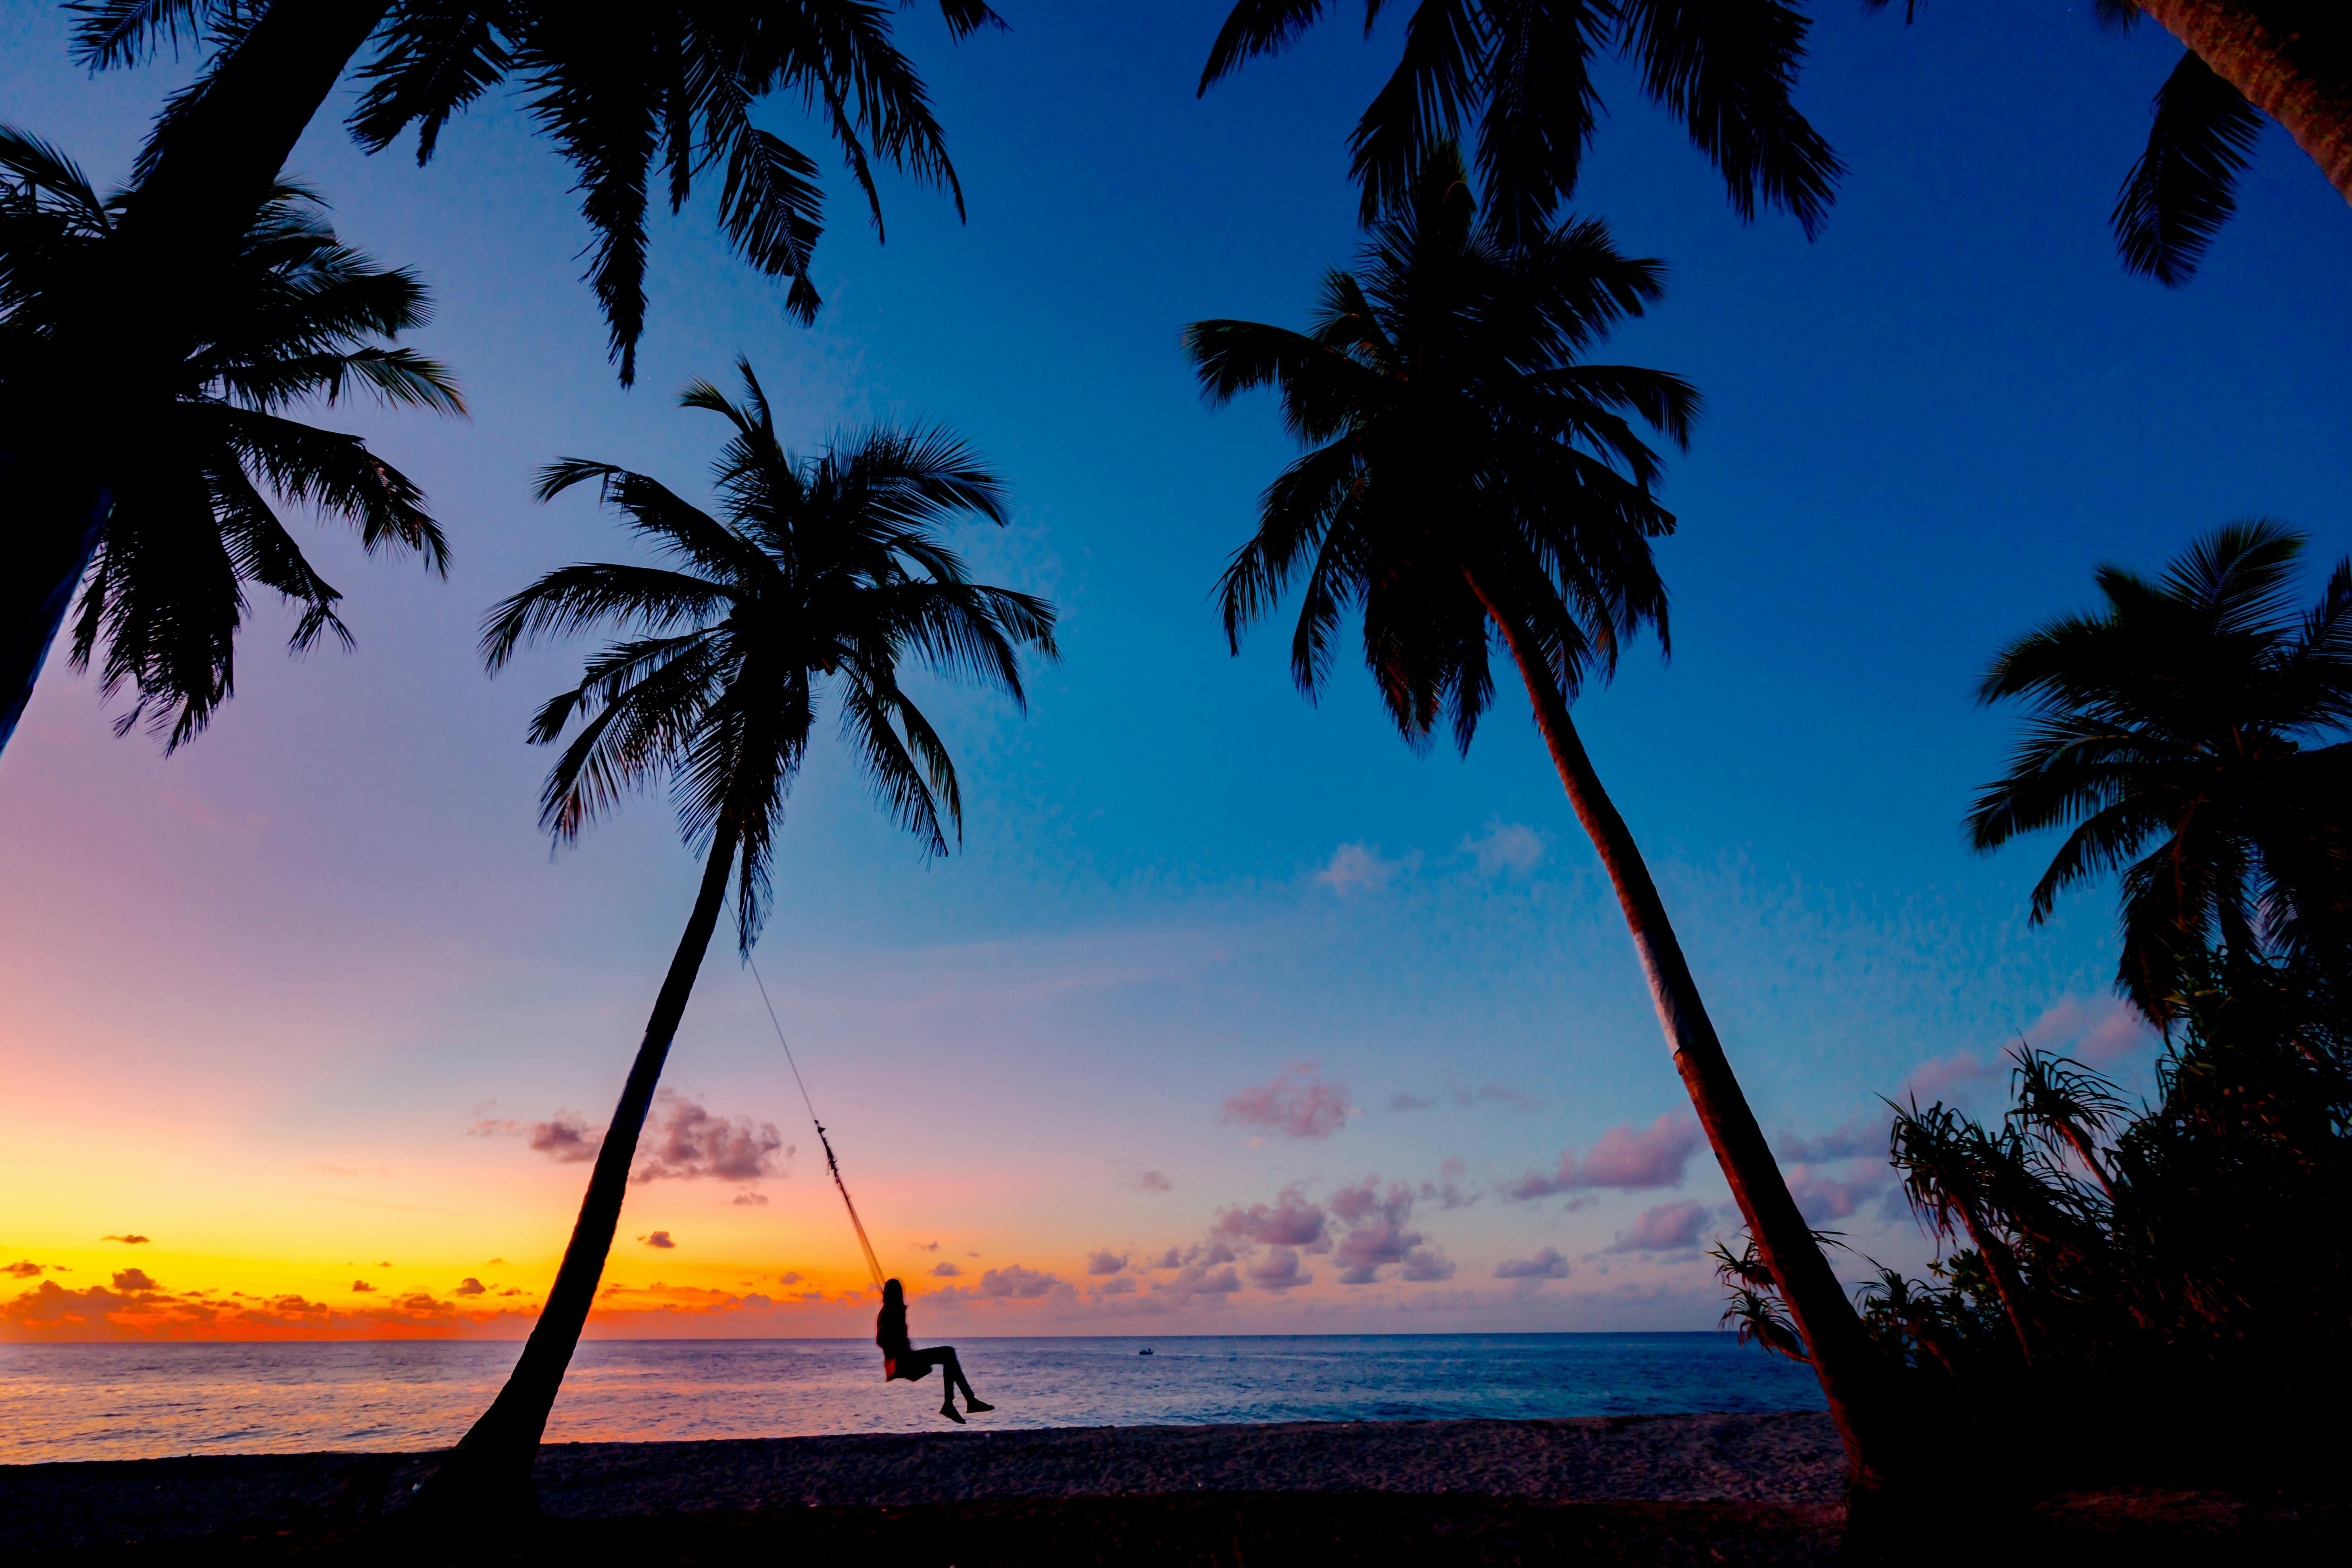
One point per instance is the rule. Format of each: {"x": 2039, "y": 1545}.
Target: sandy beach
{"x": 1641, "y": 1489}
{"x": 1788, "y": 1460}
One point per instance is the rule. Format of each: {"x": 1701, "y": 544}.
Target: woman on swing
{"x": 900, "y": 1359}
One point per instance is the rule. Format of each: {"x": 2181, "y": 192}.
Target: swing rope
{"x": 873, "y": 1264}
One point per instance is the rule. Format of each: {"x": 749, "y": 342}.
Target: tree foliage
{"x": 209, "y": 450}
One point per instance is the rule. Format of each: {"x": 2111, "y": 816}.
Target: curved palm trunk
{"x": 489, "y": 1470}
{"x": 2290, "y": 58}
{"x": 36, "y": 595}
{"x": 1835, "y": 1338}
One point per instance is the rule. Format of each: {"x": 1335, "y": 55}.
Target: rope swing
{"x": 873, "y": 1264}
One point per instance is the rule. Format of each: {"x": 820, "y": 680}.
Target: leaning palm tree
{"x": 824, "y": 577}
{"x": 1524, "y": 69}
{"x": 2180, "y": 735}
{"x": 637, "y": 98}
{"x": 1471, "y": 481}
{"x": 185, "y": 520}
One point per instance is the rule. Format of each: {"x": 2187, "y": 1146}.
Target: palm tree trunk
{"x": 2290, "y": 58}
{"x": 227, "y": 150}
{"x": 489, "y": 1470}
{"x": 2007, "y": 1283}
{"x": 41, "y": 588}
{"x": 1835, "y": 1338}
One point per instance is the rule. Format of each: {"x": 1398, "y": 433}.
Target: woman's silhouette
{"x": 900, "y": 1359}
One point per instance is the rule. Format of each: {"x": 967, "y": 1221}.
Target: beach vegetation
{"x": 821, "y": 583}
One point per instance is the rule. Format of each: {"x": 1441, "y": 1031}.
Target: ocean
{"x": 133, "y": 1402}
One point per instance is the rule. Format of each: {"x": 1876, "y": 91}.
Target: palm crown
{"x": 192, "y": 520}
{"x": 632, "y": 95}
{"x": 825, "y": 577}
{"x": 2184, "y": 714}
{"x": 1523, "y": 68}
{"x": 1465, "y": 467}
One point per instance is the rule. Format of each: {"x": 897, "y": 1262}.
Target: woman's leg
{"x": 954, "y": 1371}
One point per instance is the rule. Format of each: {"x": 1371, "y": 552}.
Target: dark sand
{"x": 1789, "y": 1459}
{"x": 1618, "y": 1490}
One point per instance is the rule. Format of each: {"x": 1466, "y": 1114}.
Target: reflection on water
{"x": 129, "y": 1402}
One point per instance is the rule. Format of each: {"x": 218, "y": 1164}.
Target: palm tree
{"x": 630, "y": 94}
{"x": 1470, "y": 480}
{"x": 2184, "y": 715}
{"x": 185, "y": 520}
{"x": 823, "y": 578}
{"x": 2291, "y": 60}
{"x": 1524, "y": 68}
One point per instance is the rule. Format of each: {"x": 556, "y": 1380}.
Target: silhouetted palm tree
{"x": 2291, "y": 60}
{"x": 635, "y": 95}
{"x": 1470, "y": 480}
{"x": 823, "y": 579}
{"x": 2183, "y": 714}
{"x": 185, "y": 519}
{"x": 1524, "y": 68}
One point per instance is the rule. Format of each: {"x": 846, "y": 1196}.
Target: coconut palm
{"x": 634, "y": 96}
{"x": 823, "y": 578}
{"x": 1471, "y": 482}
{"x": 1524, "y": 68}
{"x": 2289, "y": 59}
{"x": 2178, "y": 734}
{"x": 204, "y": 440}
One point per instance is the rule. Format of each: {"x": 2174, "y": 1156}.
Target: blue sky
{"x": 327, "y": 936}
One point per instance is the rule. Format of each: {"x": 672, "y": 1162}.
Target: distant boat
{"x": 1145, "y": 1351}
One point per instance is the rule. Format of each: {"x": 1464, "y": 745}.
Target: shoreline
{"x": 1787, "y": 1459}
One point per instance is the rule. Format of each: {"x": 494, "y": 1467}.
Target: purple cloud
{"x": 1015, "y": 1283}
{"x": 939, "y": 1272}
{"x": 469, "y": 1286}
{"x": 1625, "y": 1160}
{"x": 1821, "y": 1197}
{"x": 1293, "y": 1221}
{"x": 1278, "y": 1271}
{"x": 688, "y": 1141}
{"x": 1296, "y": 1104}
{"x": 1545, "y": 1265}
{"x": 1106, "y": 1262}
{"x": 1853, "y": 1139}
{"x": 1153, "y": 1181}
{"x": 1667, "y": 1227}
{"x": 659, "y": 1239}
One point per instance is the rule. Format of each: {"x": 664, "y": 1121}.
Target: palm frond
{"x": 2184, "y": 186}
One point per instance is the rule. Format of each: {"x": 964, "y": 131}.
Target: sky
{"x": 1231, "y": 1014}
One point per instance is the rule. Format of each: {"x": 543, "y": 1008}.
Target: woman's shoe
{"x": 953, "y": 1414}
{"x": 976, "y": 1406}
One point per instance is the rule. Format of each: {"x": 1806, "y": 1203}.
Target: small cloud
{"x": 1946, "y": 1076}
{"x": 134, "y": 1279}
{"x": 1545, "y": 1265}
{"x": 1124, "y": 1284}
{"x": 1405, "y": 1099}
{"x": 1106, "y": 1262}
{"x": 1298, "y": 1104}
{"x": 1505, "y": 846}
{"x": 126, "y": 1240}
{"x": 748, "y": 1199}
{"x": 688, "y": 1141}
{"x": 1016, "y": 1283}
{"x": 1625, "y": 1160}
{"x": 939, "y": 1272}
{"x": 1821, "y": 1198}
{"x": 1509, "y": 1098}
{"x": 1278, "y": 1271}
{"x": 2097, "y": 1031}
{"x": 659, "y": 1238}
{"x": 1291, "y": 1221}
{"x": 361, "y": 1288}
{"x": 1425, "y": 1266}
{"x": 1171, "y": 1258}
{"x": 927, "y": 1247}
{"x": 1153, "y": 1181}
{"x": 1851, "y": 1139}
{"x": 1666, "y": 1227}
{"x": 568, "y": 1139}
{"x": 1448, "y": 1191}
{"x": 470, "y": 1286}
{"x": 496, "y": 1261}
{"x": 511, "y": 1290}
{"x": 1359, "y": 866}
{"x": 23, "y": 1269}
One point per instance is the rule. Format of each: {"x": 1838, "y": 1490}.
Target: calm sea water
{"x": 130, "y": 1402}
